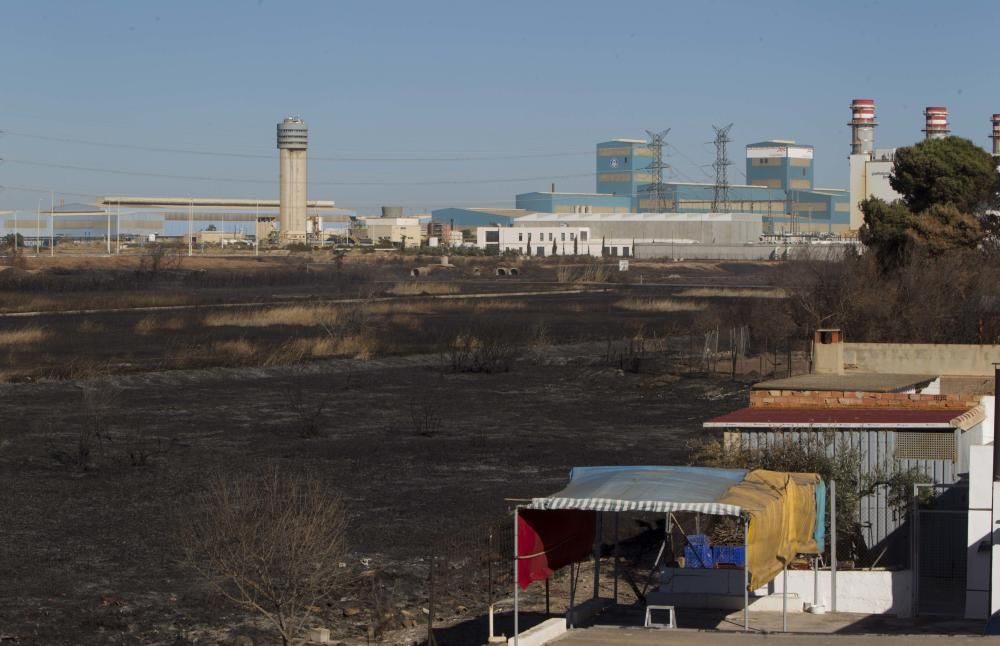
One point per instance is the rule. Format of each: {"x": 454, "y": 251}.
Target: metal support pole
{"x": 815, "y": 580}
{"x": 517, "y": 599}
{"x": 598, "y": 534}
{"x": 573, "y": 572}
{"x": 746, "y": 573}
{"x": 617, "y": 558}
{"x": 190, "y": 229}
{"x": 784, "y": 596}
{"x": 833, "y": 546}
{"x": 109, "y": 230}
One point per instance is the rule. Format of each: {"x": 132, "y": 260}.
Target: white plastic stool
{"x": 649, "y": 621}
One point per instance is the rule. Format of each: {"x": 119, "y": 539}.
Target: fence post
{"x": 431, "y": 640}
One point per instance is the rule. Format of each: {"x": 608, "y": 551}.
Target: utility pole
{"x": 52, "y": 224}
{"x": 656, "y": 167}
{"x": 190, "y": 228}
{"x": 720, "y": 199}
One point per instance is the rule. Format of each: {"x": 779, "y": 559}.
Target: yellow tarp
{"x": 782, "y": 509}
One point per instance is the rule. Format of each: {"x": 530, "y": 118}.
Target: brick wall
{"x": 842, "y": 399}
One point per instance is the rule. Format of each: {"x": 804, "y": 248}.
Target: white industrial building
{"x": 553, "y": 241}
{"x": 704, "y": 228}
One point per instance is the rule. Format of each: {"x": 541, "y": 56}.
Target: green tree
{"x": 951, "y": 170}
{"x": 885, "y": 230}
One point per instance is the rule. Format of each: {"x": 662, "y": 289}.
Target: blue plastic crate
{"x": 698, "y": 552}
{"x": 729, "y": 555}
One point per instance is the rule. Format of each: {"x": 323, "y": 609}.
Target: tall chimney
{"x": 936, "y": 122}
{"x": 996, "y": 137}
{"x": 862, "y": 126}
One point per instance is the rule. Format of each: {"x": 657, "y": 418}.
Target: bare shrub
{"x": 99, "y": 404}
{"x": 272, "y": 544}
{"x": 309, "y": 412}
{"x": 80, "y": 454}
{"x": 594, "y": 271}
{"x": 425, "y": 416}
{"x": 381, "y": 608}
{"x": 158, "y": 258}
{"x": 136, "y": 447}
{"x": 486, "y": 347}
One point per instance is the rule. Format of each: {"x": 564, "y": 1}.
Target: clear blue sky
{"x": 445, "y": 79}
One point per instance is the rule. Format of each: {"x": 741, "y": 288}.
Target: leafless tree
{"x": 273, "y": 544}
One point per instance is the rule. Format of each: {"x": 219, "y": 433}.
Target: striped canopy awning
{"x": 658, "y": 489}
{"x": 784, "y": 512}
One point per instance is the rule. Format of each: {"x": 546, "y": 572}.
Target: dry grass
{"x": 734, "y": 292}
{"x": 470, "y": 305}
{"x": 89, "y": 326}
{"x": 417, "y": 288}
{"x": 35, "y": 303}
{"x": 303, "y": 315}
{"x": 658, "y": 305}
{"x": 240, "y": 351}
{"x": 153, "y": 325}
{"x": 357, "y": 346}
{"x": 22, "y": 336}
{"x": 593, "y": 272}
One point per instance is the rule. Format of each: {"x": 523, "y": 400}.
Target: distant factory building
{"x": 779, "y": 188}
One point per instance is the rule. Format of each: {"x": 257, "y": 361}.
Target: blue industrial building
{"x": 779, "y": 186}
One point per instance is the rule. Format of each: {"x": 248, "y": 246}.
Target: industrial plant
{"x": 646, "y": 215}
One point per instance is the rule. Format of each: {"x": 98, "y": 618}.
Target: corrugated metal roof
{"x": 837, "y": 418}
{"x": 864, "y": 382}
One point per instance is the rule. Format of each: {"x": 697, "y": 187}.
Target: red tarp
{"x": 569, "y": 538}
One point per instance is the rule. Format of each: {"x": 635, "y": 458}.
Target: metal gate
{"x": 940, "y": 515}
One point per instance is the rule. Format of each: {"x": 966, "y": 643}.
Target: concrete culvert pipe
{"x": 501, "y": 271}
{"x": 476, "y": 271}
{"x": 420, "y": 271}
{"x": 513, "y": 271}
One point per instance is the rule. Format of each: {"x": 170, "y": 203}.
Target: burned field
{"x": 97, "y": 468}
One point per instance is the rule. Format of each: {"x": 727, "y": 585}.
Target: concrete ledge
{"x": 540, "y": 634}
{"x": 772, "y": 603}
{"x": 582, "y": 613}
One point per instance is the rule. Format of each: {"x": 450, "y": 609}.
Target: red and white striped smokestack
{"x": 862, "y": 126}
{"x": 996, "y": 136}
{"x": 936, "y": 122}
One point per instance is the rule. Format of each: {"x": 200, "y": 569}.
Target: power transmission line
{"x": 113, "y": 171}
{"x": 700, "y": 167}
{"x": 475, "y": 156}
